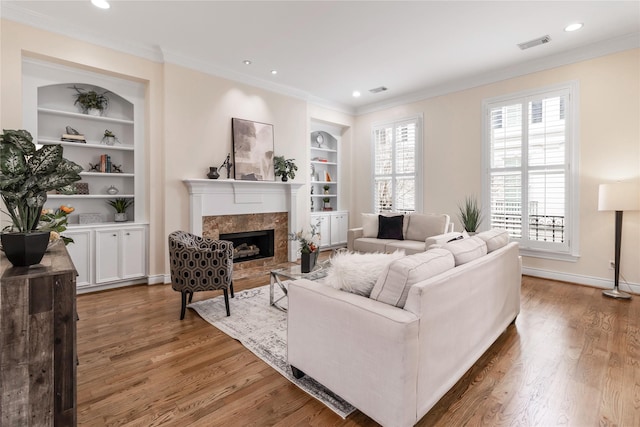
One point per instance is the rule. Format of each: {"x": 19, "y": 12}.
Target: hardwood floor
{"x": 572, "y": 358}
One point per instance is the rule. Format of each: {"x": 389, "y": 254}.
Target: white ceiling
{"x": 325, "y": 50}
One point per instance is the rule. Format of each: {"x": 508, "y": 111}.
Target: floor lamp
{"x": 618, "y": 197}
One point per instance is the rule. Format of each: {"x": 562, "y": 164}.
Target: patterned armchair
{"x": 200, "y": 264}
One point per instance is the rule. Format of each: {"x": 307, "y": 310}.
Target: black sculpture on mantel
{"x": 227, "y": 164}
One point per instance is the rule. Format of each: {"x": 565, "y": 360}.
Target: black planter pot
{"x": 25, "y": 249}
{"x": 308, "y": 261}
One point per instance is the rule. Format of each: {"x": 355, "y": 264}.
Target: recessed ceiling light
{"x": 274, "y": 72}
{"x": 102, "y": 4}
{"x": 246, "y": 62}
{"x": 574, "y": 27}
{"x": 356, "y": 94}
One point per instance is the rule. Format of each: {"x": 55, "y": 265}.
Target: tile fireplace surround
{"x": 255, "y": 204}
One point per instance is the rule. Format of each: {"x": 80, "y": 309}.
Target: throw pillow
{"x": 422, "y": 226}
{"x": 390, "y": 227}
{"x": 494, "y": 238}
{"x": 369, "y": 225}
{"x": 466, "y": 250}
{"x": 392, "y": 287}
{"x": 357, "y": 273}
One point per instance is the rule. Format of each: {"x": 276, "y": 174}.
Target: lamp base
{"x": 615, "y": 293}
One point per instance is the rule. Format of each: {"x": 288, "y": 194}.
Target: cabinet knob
{"x": 128, "y": 234}
{"x": 114, "y": 235}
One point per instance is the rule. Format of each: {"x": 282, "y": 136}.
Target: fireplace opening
{"x": 250, "y": 245}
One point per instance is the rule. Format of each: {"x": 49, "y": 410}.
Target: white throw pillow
{"x": 369, "y": 225}
{"x": 397, "y": 278}
{"x": 494, "y": 238}
{"x": 422, "y": 226}
{"x": 357, "y": 273}
{"x": 466, "y": 250}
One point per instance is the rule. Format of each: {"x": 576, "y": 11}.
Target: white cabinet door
{"x": 339, "y": 226}
{"x": 107, "y": 255}
{"x": 80, "y": 252}
{"x": 133, "y": 253}
{"x": 324, "y": 227}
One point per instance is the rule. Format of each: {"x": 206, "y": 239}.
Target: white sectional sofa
{"x": 394, "y": 360}
{"x": 419, "y": 231}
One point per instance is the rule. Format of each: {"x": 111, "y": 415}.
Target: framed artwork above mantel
{"x": 252, "y": 150}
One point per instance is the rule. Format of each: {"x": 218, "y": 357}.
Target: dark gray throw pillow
{"x": 390, "y": 227}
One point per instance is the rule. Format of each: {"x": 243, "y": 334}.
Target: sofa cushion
{"x": 465, "y": 250}
{"x": 357, "y": 273}
{"x": 392, "y": 287}
{"x": 422, "y": 226}
{"x": 371, "y": 244}
{"x": 409, "y": 246}
{"x": 494, "y": 238}
{"x": 390, "y": 227}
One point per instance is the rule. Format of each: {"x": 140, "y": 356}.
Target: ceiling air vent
{"x": 535, "y": 42}
{"x": 378, "y": 89}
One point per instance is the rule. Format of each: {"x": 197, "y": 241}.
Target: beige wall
{"x": 188, "y": 129}
{"x": 609, "y": 145}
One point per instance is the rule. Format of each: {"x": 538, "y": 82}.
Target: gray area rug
{"x": 263, "y": 330}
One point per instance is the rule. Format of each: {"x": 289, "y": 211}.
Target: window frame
{"x": 557, "y": 251}
{"x": 418, "y": 174}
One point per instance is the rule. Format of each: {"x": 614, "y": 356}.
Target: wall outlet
{"x": 612, "y": 264}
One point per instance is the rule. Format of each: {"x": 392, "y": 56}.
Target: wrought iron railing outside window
{"x": 544, "y": 228}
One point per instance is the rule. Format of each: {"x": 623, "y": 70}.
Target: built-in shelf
{"x": 108, "y": 174}
{"x": 90, "y": 196}
{"x": 87, "y": 145}
{"x": 84, "y": 116}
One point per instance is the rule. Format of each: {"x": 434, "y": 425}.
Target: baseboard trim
{"x": 159, "y": 279}
{"x": 595, "y": 282}
{"x": 105, "y": 286}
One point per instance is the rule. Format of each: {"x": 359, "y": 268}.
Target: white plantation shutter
{"x": 395, "y": 173}
{"x": 529, "y": 168}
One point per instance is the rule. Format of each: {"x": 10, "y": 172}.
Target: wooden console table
{"x": 38, "y": 342}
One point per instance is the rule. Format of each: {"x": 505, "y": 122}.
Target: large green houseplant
{"x": 284, "y": 168}
{"x": 26, "y": 174}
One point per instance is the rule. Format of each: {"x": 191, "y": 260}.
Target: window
{"x": 397, "y": 180}
{"x": 529, "y": 188}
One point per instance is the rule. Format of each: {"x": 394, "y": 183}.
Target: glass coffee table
{"x": 280, "y": 277}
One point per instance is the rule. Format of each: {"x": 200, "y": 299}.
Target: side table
{"x": 282, "y": 275}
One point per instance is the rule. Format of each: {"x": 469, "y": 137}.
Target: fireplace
{"x": 229, "y": 206}
{"x": 251, "y": 245}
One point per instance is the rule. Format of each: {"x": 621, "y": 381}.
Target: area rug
{"x": 263, "y": 330}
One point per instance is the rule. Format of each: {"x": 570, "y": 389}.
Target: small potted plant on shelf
{"x": 470, "y": 215}
{"x": 327, "y": 204}
{"x": 109, "y": 138}
{"x": 26, "y": 175}
{"x": 285, "y": 168}
{"x": 90, "y": 101}
{"x": 120, "y": 205}
{"x": 326, "y": 188}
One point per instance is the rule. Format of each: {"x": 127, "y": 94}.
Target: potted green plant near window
{"x": 470, "y": 214}
{"x": 90, "y": 101}
{"x": 285, "y": 168}
{"x": 26, "y": 174}
{"x": 120, "y": 205}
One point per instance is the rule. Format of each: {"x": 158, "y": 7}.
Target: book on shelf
{"x": 73, "y": 138}
{"x": 105, "y": 163}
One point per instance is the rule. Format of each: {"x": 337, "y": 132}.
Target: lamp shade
{"x": 620, "y": 196}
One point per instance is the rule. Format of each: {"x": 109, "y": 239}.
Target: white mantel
{"x": 210, "y": 197}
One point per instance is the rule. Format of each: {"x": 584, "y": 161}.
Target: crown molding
{"x": 605, "y": 47}
{"x": 13, "y": 12}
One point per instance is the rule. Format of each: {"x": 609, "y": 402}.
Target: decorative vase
{"x": 120, "y": 217}
{"x": 213, "y": 173}
{"x": 308, "y": 261}
{"x": 112, "y": 190}
{"x": 285, "y": 178}
{"x": 25, "y": 249}
{"x": 94, "y": 112}
{"x": 109, "y": 140}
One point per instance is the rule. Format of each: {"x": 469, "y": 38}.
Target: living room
{"x": 188, "y": 129}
